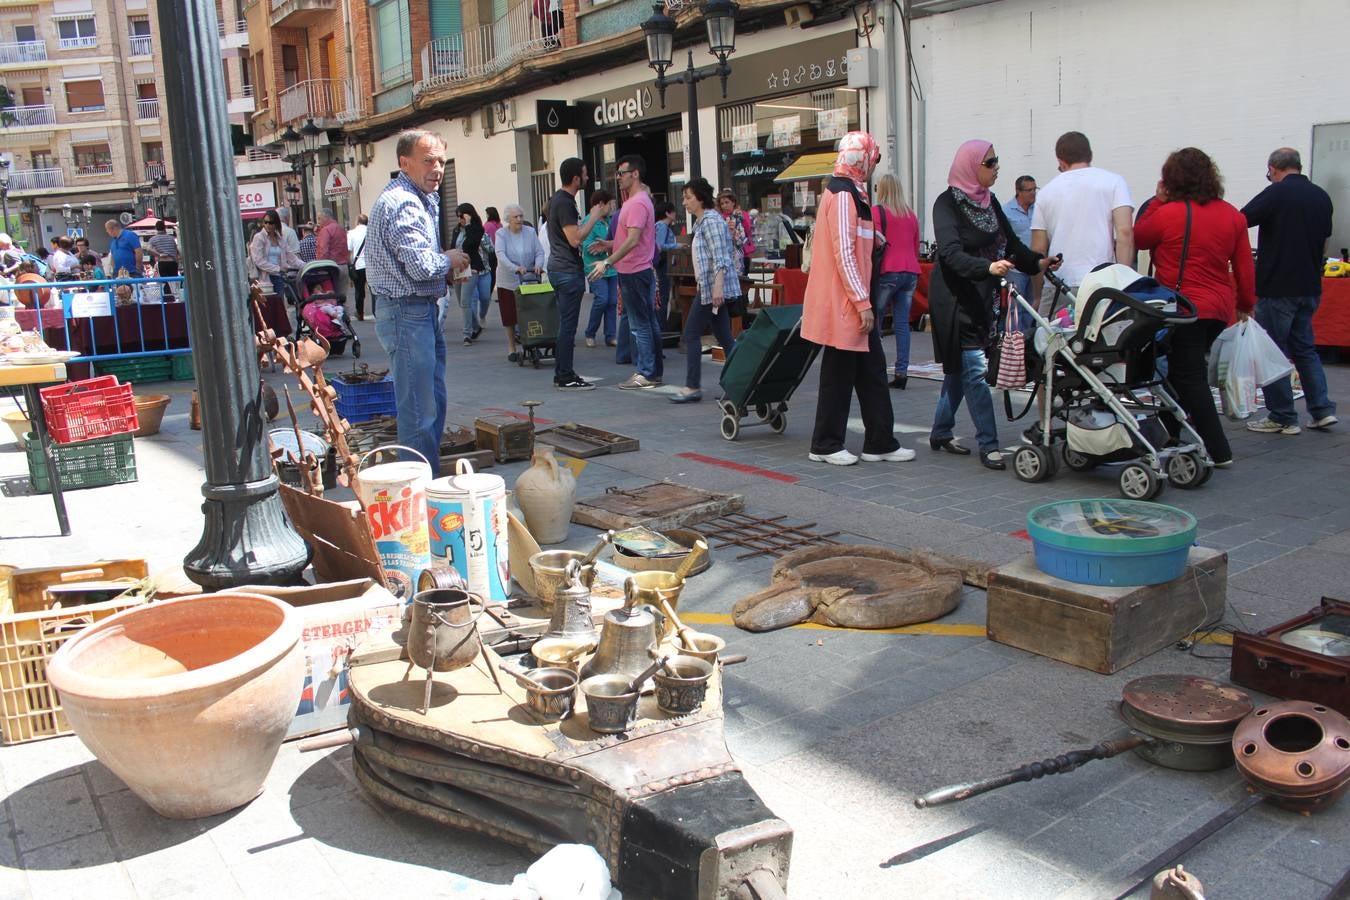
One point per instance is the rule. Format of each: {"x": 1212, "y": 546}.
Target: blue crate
{"x": 364, "y": 401}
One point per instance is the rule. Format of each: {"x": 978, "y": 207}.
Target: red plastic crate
{"x": 95, "y": 407}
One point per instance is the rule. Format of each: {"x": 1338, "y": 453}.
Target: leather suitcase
{"x": 1284, "y": 660}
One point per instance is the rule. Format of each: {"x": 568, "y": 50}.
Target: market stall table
{"x": 30, "y": 378}
{"x": 1331, "y": 322}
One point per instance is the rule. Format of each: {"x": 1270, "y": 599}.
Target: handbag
{"x": 1011, "y": 369}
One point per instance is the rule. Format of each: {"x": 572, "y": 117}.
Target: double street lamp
{"x": 299, "y": 146}
{"x": 720, "y": 18}
{"x": 78, "y": 218}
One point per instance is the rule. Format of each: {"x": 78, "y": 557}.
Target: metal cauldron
{"x": 443, "y": 633}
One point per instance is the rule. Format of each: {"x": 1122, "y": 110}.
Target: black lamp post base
{"x": 245, "y": 539}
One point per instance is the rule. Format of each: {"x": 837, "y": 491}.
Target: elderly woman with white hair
{"x": 518, "y": 253}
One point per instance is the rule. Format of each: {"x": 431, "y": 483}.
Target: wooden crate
{"x": 31, "y": 710}
{"x": 1103, "y": 629}
{"x": 29, "y": 589}
{"x": 506, "y": 437}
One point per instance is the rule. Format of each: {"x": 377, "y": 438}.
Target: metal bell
{"x": 571, "y": 615}
{"x": 624, "y": 639}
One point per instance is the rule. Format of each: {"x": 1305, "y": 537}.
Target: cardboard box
{"x": 336, "y": 616}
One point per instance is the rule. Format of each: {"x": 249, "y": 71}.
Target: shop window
{"x": 84, "y": 96}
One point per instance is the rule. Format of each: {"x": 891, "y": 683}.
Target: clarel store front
{"x": 781, "y": 104}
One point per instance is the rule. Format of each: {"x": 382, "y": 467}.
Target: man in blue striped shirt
{"x": 407, "y": 272}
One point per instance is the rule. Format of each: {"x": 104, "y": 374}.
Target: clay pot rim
{"x": 68, "y": 680}
{"x": 151, "y": 400}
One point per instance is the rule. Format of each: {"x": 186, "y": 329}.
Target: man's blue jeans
{"x": 408, "y": 330}
{"x": 637, "y": 291}
{"x": 604, "y": 299}
{"x": 570, "y": 287}
{"x": 897, "y": 289}
{"x": 1288, "y": 320}
{"x": 969, "y": 385}
{"x": 475, "y": 296}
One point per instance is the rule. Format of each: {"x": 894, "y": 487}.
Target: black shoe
{"x": 899, "y": 382}
{"x": 476, "y": 333}
{"x": 987, "y": 460}
{"x": 573, "y": 383}
{"x": 513, "y": 356}
{"x": 948, "y": 445}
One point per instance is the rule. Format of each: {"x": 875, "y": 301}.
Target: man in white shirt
{"x": 356, "y": 246}
{"x": 1084, "y": 213}
{"x": 289, "y": 238}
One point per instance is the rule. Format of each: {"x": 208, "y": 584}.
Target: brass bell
{"x": 572, "y": 607}
{"x": 625, "y": 637}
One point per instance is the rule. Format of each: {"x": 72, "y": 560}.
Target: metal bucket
{"x": 466, "y": 513}
{"x": 443, "y": 634}
{"x": 610, "y": 706}
{"x": 550, "y": 573}
{"x": 394, "y": 496}
{"x": 682, "y": 685}
{"x": 554, "y": 700}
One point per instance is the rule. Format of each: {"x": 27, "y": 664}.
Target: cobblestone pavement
{"x": 837, "y": 730}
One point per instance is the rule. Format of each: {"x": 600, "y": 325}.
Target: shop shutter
{"x": 449, "y": 200}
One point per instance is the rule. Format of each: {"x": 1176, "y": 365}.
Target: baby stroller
{"x": 322, "y": 309}
{"x": 1102, "y": 387}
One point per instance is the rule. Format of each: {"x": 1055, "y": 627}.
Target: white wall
{"x": 1140, "y": 79}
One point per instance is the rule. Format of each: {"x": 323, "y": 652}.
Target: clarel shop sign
{"x": 619, "y": 111}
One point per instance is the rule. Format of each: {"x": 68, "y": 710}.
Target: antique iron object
{"x": 1295, "y": 752}
{"x": 443, "y": 633}
{"x": 681, "y": 686}
{"x": 549, "y": 692}
{"x": 439, "y": 576}
{"x": 1190, "y": 719}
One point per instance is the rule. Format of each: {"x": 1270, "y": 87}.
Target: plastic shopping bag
{"x": 1268, "y": 360}
{"x": 1242, "y": 359}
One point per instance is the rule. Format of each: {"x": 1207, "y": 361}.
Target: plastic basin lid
{"x": 1112, "y": 525}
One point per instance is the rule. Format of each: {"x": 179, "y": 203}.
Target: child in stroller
{"x": 1104, "y": 399}
{"x": 321, "y": 309}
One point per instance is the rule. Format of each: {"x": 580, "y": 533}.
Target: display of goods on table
{"x": 95, "y": 407}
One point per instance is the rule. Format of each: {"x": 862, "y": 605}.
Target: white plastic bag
{"x": 1268, "y": 360}
{"x": 1242, "y": 359}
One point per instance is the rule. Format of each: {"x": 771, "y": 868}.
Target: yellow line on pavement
{"x": 937, "y": 628}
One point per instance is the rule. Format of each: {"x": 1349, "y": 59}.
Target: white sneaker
{"x": 590, "y": 342}
{"x": 837, "y": 458}
{"x": 899, "y": 454}
{"x": 1267, "y": 426}
{"x": 635, "y": 382}
{"x": 1324, "y": 422}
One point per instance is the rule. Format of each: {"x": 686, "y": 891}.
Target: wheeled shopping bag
{"x": 765, "y": 367}
{"x": 537, "y": 319}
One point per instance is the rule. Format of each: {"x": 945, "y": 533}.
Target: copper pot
{"x": 443, "y": 633}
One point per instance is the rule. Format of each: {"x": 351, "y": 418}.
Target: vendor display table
{"x": 30, "y": 378}
{"x": 1331, "y": 323}
{"x": 793, "y": 282}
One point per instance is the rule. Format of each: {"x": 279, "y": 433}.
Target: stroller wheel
{"x": 1187, "y": 470}
{"x": 1033, "y": 464}
{"x": 1079, "y": 462}
{"x": 356, "y": 349}
{"x": 1139, "y": 482}
{"x": 731, "y": 426}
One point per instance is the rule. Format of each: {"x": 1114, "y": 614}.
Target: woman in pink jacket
{"x": 838, "y": 315}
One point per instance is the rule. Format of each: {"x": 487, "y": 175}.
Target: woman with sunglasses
{"x": 269, "y": 255}
{"x": 976, "y": 248}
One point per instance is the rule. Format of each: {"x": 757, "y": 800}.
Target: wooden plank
{"x": 1101, "y": 628}
{"x": 339, "y": 536}
{"x": 657, "y": 506}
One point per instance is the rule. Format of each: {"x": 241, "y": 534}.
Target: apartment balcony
{"x": 259, "y": 163}
{"x": 154, "y": 170}
{"x": 28, "y": 116}
{"x": 97, "y": 170}
{"x": 243, "y": 103}
{"x": 233, "y": 35}
{"x": 140, "y": 45}
{"x": 147, "y": 110}
{"x": 300, "y": 13}
{"x": 319, "y": 99}
{"x": 485, "y": 50}
{"x": 78, "y": 43}
{"x": 36, "y": 180}
{"x": 23, "y": 52}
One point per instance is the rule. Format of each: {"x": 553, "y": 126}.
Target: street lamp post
{"x": 294, "y": 142}
{"x": 245, "y": 538}
{"x": 4, "y": 190}
{"x": 720, "y": 17}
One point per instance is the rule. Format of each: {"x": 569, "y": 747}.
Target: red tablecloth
{"x": 274, "y": 315}
{"x": 794, "y": 289}
{"x": 1331, "y": 324}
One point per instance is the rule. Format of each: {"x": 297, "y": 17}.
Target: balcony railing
{"x": 257, "y": 154}
{"x": 23, "y": 52}
{"x": 36, "y": 180}
{"x": 154, "y": 170}
{"x": 239, "y": 26}
{"x": 147, "y": 109}
{"x": 246, "y": 90}
{"x": 484, "y": 50}
{"x": 77, "y": 43}
{"x": 23, "y": 116}
{"x": 93, "y": 169}
{"x": 140, "y": 44}
{"x": 318, "y": 98}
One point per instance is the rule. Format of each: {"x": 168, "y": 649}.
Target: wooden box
{"x": 1103, "y": 629}
{"x": 1269, "y": 663}
{"x": 506, "y": 437}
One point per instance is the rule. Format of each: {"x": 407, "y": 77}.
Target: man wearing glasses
{"x": 1083, "y": 214}
{"x": 632, "y": 259}
{"x": 1019, "y": 211}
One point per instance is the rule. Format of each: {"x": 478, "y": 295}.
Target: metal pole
{"x": 4, "y": 202}
{"x": 245, "y": 537}
{"x": 695, "y": 159}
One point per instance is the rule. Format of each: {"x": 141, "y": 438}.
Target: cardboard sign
{"x": 83, "y": 305}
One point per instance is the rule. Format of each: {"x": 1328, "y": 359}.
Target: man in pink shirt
{"x": 331, "y": 244}
{"x": 632, "y": 259}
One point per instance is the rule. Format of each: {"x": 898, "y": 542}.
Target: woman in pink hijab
{"x": 837, "y": 314}
{"x": 975, "y": 248}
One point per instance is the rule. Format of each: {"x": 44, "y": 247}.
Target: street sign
{"x": 554, "y": 116}
{"x": 336, "y": 185}
{"x": 74, "y": 233}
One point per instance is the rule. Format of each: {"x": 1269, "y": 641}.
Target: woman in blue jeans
{"x": 475, "y": 290}
{"x": 898, "y": 274}
{"x": 604, "y": 291}
{"x": 715, "y": 273}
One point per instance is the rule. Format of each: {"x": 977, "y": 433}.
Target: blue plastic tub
{"x": 1111, "y": 542}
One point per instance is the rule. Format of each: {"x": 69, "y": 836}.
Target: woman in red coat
{"x": 1217, "y": 253}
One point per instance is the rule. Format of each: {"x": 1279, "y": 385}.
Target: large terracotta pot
{"x": 186, "y": 700}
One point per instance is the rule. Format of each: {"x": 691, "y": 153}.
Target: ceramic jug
{"x": 546, "y": 492}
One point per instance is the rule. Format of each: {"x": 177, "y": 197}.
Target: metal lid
{"x": 1107, "y": 524}
{"x": 1184, "y": 708}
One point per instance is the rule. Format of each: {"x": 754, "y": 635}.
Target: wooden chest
{"x": 1103, "y": 629}
{"x": 1276, "y": 662}
{"x": 506, "y": 437}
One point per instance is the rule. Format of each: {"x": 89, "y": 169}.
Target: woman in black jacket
{"x": 975, "y": 249}
{"x": 475, "y": 288}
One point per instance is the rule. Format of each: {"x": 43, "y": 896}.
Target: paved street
{"x": 837, "y": 730}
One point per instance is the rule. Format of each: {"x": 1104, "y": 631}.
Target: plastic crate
{"x": 181, "y": 367}
{"x": 108, "y": 460}
{"x": 363, "y": 401}
{"x": 137, "y": 370}
{"x": 31, "y": 708}
{"x": 95, "y": 407}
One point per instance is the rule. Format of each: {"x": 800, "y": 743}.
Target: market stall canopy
{"x": 809, "y": 166}
{"x": 147, "y": 225}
